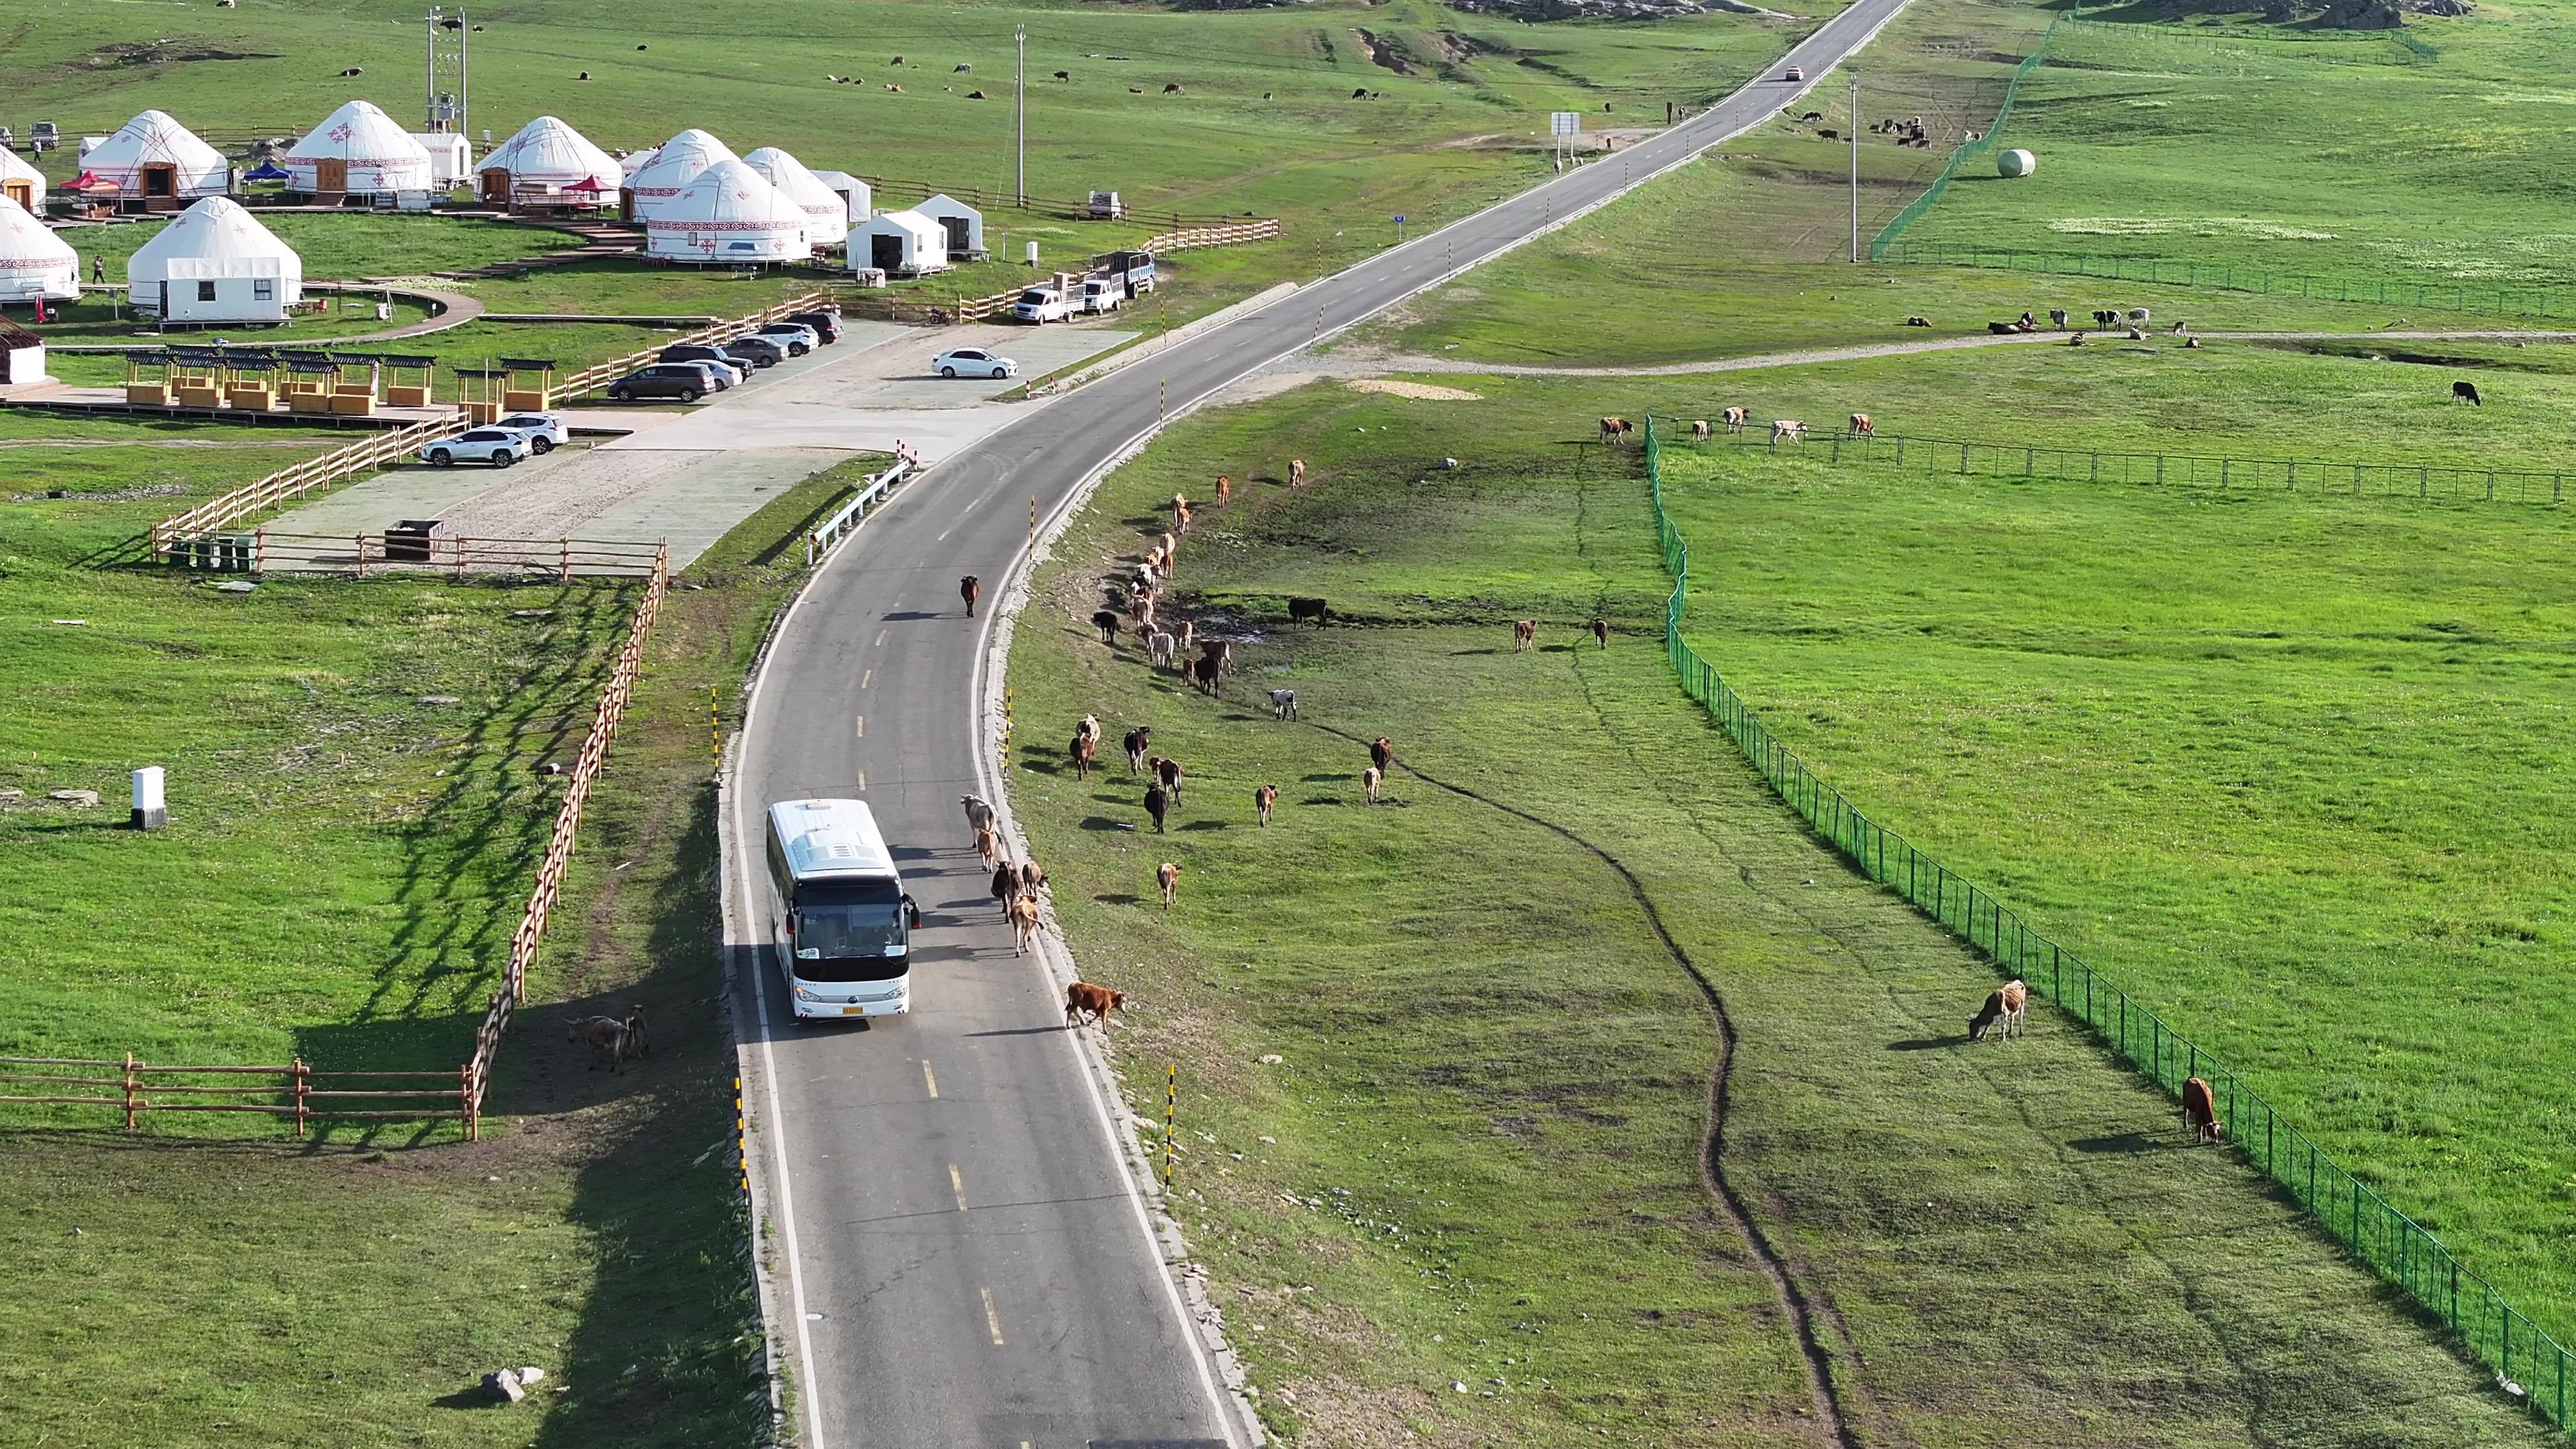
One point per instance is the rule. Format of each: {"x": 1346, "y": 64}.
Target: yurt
{"x": 675, "y": 164}
{"x": 358, "y": 151}
{"x": 545, "y": 157}
{"x": 34, "y": 263}
{"x": 853, "y": 192}
{"x": 21, "y": 183}
{"x": 451, "y": 157}
{"x": 728, "y": 214}
{"x": 828, "y": 213}
{"x": 899, "y": 243}
{"x": 157, "y": 161}
{"x": 963, "y": 223}
{"x": 216, "y": 263}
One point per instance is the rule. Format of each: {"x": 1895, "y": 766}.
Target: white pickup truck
{"x": 1041, "y": 305}
{"x": 1101, "y": 294}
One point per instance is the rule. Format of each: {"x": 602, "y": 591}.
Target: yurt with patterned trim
{"x": 854, "y": 193}
{"x": 153, "y": 158}
{"x": 827, "y": 214}
{"x": 675, "y": 164}
{"x": 21, "y": 183}
{"x": 728, "y": 214}
{"x": 544, "y": 158}
{"x": 216, "y": 263}
{"x": 34, "y": 263}
{"x": 358, "y": 150}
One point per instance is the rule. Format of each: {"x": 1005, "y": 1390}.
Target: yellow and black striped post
{"x": 1171, "y": 1106}
{"x": 741, "y": 1143}
{"x": 715, "y": 731}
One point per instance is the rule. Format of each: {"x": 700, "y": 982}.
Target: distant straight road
{"x": 965, "y": 1262}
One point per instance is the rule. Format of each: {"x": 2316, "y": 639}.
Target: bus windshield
{"x": 850, "y": 930}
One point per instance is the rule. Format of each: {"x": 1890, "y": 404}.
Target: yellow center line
{"x": 992, "y": 1318}
{"x": 881, "y": 638}
{"x": 957, "y": 1184}
{"x": 863, "y": 726}
{"x": 928, "y": 1079}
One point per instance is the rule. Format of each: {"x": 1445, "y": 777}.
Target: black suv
{"x": 683, "y": 380}
{"x": 826, "y": 325}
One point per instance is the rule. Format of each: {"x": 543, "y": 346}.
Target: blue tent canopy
{"x": 267, "y": 171}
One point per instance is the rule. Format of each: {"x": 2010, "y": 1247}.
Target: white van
{"x": 1100, "y": 294}
{"x": 1042, "y": 305}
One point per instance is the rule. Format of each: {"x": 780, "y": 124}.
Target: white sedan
{"x": 973, "y": 362}
{"x": 545, "y": 432}
{"x": 499, "y": 447}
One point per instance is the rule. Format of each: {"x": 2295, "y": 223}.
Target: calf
{"x": 979, "y": 815}
{"x": 1080, "y": 751}
{"x": 1088, "y": 725}
{"x": 1283, "y": 704}
{"x": 1157, "y": 804}
{"x": 1205, "y": 672}
{"x": 1168, "y": 876}
{"x": 1524, "y": 633}
{"x": 970, "y": 588}
{"x": 1084, "y": 1000}
{"x": 1862, "y": 427}
{"x": 1138, "y": 739}
{"x": 988, "y": 844}
{"x": 1167, "y": 773}
{"x": 2467, "y": 391}
{"x": 1263, "y": 799}
{"x": 1107, "y": 623}
{"x": 1613, "y": 429}
{"x": 1024, "y": 925}
{"x": 605, "y": 1036}
{"x": 2200, "y": 1112}
{"x": 1382, "y": 752}
{"x": 1787, "y": 430}
{"x": 1372, "y": 780}
{"x": 1601, "y": 632}
{"x": 1314, "y": 611}
{"x": 1032, "y": 877}
{"x": 2006, "y": 1005}
{"x": 1700, "y": 430}
{"x": 1296, "y": 472}
{"x": 1735, "y": 420}
{"x": 1159, "y": 646}
{"x": 1224, "y": 490}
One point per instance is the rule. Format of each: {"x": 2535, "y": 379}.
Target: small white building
{"x": 675, "y": 164}
{"x": 358, "y": 151}
{"x": 216, "y": 263}
{"x": 899, "y": 243}
{"x": 544, "y": 161}
{"x": 728, "y": 215}
{"x": 22, "y": 355}
{"x": 155, "y": 159}
{"x": 21, "y": 183}
{"x": 963, "y": 224}
{"x": 451, "y": 158}
{"x": 34, "y": 263}
{"x": 828, "y": 216}
{"x": 854, "y": 193}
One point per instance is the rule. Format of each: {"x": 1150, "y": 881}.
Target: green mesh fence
{"x": 2228, "y": 276}
{"x": 1977, "y": 149}
{"x": 2391, "y": 1243}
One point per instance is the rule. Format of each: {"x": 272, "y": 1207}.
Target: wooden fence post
{"x": 132, "y": 1084}
{"x": 299, "y": 1082}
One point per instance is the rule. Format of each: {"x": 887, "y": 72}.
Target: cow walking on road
{"x": 970, "y": 588}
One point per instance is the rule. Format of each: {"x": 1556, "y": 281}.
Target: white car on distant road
{"x": 499, "y": 447}
{"x": 972, "y": 362}
{"x": 545, "y": 432}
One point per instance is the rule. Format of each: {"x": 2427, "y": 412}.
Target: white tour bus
{"x": 844, "y": 924}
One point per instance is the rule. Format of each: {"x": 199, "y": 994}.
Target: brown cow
{"x": 1918, "y": 321}
{"x": 1601, "y": 632}
{"x": 1382, "y": 752}
{"x": 970, "y": 588}
{"x": 1612, "y": 429}
{"x": 1296, "y": 472}
{"x": 1157, "y": 804}
{"x": 1263, "y": 799}
{"x": 605, "y": 1036}
{"x": 1220, "y": 650}
{"x": 2200, "y": 1112}
{"x": 1224, "y": 490}
{"x": 1024, "y": 925}
{"x": 2005, "y": 1004}
{"x": 1524, "y": 634}
{"x": 1168, "y": 876}
{"x": 1084, "y": 1000}
{"x": 1862, "y": 427}
{"x": 1167, "y": 773}
{"x": 1137, "y": 740}
{"x": 988, "y": 845}
{"x": 1372, "y": 780}
{"x": 1700, "y": 430}
{"x": 1081, "y": 751}
{"x": 1032, "y": 877}
{"x": 1735, "y": 420}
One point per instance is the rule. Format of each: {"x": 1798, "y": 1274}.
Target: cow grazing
{"x": 1601, "y": 632}
{"x": 1283, "y": 704}
{"x": 1700, "y": 430}
{"x": 1613, "y": 429}
{"x": 1263, "y": 799}
{"x": 1735, "y": 420}
{"x": 1382, "y": 752}
{"x": 979, "y": 815}
{"x": 1064, "y": 75}
{"x": 988, "y": 844}
{"x": 1107, "y": 623}
{"x": 1312, "y": 611}
{"x": 1862, "y": 427}
{"x": 1157, "y": 804}
{"x": 1205, "y": 672}
{"x": 1828, "y": 133}
{"x": 970, "y": 589}
{"x": 1137, "y": 741}
{"x": 1372, "y": 780}
{"x": 1168, "y": 876}
{"x": 1084, "y": 1000}
{"x": 1296, "y": 472}
{"x": 2005, "y": 1004}
{"x": 1159, "y": 646}
{"x": 2467, "y": 391}
{"x": 1812, "y": 116}
{"x": 2200, "y": 1112}
{"x": 1172, "y": 88}
{"x": 1787, "y": 430}
{"x": 1167, "y": 773}
{"x": 1918, "y": 321}
{"x": 1024, "y": 925}
{"x": 606, "y": 1038}
{"x": 1081, "y": 753}
{"x": 1524, "y": 634}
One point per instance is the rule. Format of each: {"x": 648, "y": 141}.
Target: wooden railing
{"x": 365, "y": 553}
{"x": 558, "y": 856}
{"x": 591, "y": 379}
{"x": 368, "y": 453}
{"x": 298, "y": 1092}
{"x": 1228, "y": 234}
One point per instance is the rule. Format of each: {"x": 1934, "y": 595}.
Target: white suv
{"x": 544, "y": 431}
{"x": 499, "y": 447}
{"x": 968, "y": 361}
{"x": 796, "y": 337}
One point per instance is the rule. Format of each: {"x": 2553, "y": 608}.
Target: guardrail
{"x": 557, "y": 860}
{"x": 820, "y": 542}
{"x": 599, "y": 375}
{"x": 368, "y": 453}
{"x": 361, "y": 553}
{"x": 139, "y": 1087}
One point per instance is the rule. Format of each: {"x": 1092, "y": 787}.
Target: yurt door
{"x": 626, "y": 204}
{"x": 956, "y": 234}
{"x": 160, "y": 179}
{"x": 496, "y": 186}
{"x": 21, "y": 192}
{"x": 331, "y": 174}
{"x": 885, "y": 253}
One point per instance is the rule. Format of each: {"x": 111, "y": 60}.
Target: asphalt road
{"x": 966, "y": 1262}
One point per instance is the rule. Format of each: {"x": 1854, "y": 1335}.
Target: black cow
{"x": 1315, "y": 610}
{"x": 1107, "y": 623}
{"x": 1204, "y": 671}
{"x": 2467, "y": 391}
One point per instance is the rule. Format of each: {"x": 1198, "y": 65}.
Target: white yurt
{"x": 963, "y": 223}
{"x": 544, "y": 158}
{"x": 216, "y": 263}
{"x": 154, "y": 158}
{"x": 828, "y": 214}
{"x": 899, "y": 242}
{"x": 854, "y": 193}
{"x": 675, "y": 164}
{"x": 357, "y": 151}
{"x": 21, "y": 183}
{"x": 728, "y": 214}
{"x": 33, "y": 261}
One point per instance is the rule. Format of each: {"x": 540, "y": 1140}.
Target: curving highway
{"x": 956, "y": 1252}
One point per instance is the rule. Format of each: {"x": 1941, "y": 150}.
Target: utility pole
{"x": 1020, "y": 116}
{"x": 1855, "y": 169}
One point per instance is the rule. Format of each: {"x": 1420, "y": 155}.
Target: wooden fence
{"x": 983, "y": 199}
{"x": 295, "y": 1091}
{"x": 364, "y": 553}
{"x": 1228, "y": 234}
{"x": 558, "y": 856}
{"x": 367, "y": 454}
{"x": 591, "y": 379}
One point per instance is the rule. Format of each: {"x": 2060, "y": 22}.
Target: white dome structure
{"x": 216, "y": 263}
{"x": 21, "y": 183}
{"x": 675, "y": 164}
{"x": 154, "y": 157}
{"x": 634, "y": 161}
{"x": 728, "y": 214}
{"x": 827, "y": 213}
{"x": 853, "y": 192}
{"x": 357, "y": 151}
{"x": 34, "y": 263}
{"x": 544, "y": 159}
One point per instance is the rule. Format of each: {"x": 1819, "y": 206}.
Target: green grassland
{"x": 1476, "y": 1162}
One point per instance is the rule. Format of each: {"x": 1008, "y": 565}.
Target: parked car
{"x": 499, "y": 447}
{"x": 971, "y": 361}
{"x": 796, "y": 337}
{"x": 687, "y": 381}
{"x": 545, "y": 432}
{"x": 1099, "y": 294}
{"x": 826, "y": 325}
{"x": 729, "y": 368}
{"x": 1042, "y": 305}
{"x": 758, "y": 350}
{"x": 1796, "y": 73}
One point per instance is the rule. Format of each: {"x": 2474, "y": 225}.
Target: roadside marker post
{"x": 715, "y": 731}
{"x": 1171, "y": 1106}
